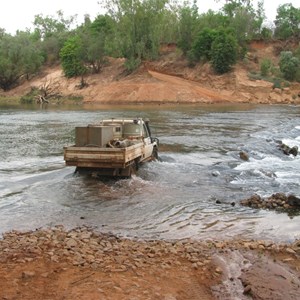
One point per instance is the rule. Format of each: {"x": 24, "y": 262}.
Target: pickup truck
{"x": 113, "y": 147}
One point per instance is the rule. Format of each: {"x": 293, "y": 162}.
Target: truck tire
{"x": 155, "y": 154}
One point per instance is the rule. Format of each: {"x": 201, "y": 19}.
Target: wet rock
{"x": 215, "y": 173}
{"x": 288, "y": 150}
{"x": 294, "y": 151}
{"x": 278, "y": 201}
{"x": 293, "y": 201}
{"x": 244, "y": 156}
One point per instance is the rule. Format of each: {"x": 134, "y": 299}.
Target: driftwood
{"x": 50, "y": 89}
{"x": 41, "y": 100}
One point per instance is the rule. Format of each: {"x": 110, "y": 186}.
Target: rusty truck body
{"x": 113, "y": 147}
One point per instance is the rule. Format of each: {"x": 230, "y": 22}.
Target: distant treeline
{"x": 136, "y": 29}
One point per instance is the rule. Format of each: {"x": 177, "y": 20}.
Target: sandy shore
{"x": 84, "y": 264}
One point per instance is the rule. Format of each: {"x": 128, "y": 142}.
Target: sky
{"x": 19, "y": 14}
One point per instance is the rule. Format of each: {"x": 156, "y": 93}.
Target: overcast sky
{"x": 19, "y": 14}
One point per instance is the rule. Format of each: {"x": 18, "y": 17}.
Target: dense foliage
{"x": 289, "y": 65}
{"x": 223, "y": 52}
{"x": 18, "y": 58}
{"x": 287, "y": 22}
{"x": 136, "y": 29}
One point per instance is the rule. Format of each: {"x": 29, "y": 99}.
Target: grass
{"x": 12, "y": 100}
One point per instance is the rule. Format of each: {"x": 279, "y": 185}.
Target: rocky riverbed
{"x": 278, "y": 201}
{"x": 83, "y": 264}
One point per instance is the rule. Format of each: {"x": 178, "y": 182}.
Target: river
{"x": 174, "y": 198}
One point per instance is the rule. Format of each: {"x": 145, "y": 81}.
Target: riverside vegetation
{"x": 131, "y": 38}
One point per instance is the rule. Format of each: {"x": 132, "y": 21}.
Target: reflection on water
{"x": 172, "y": 198}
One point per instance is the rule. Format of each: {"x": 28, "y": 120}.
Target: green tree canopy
{"x": 287, "y": 21}
{"x": 187, "y": 24}
{"x": 71, "y": 56}
{"x": 139, "y": 27}
{"x": 289, "y": 65}
{"x": 19, "y": 57}
{"x": 202, "y": 45}
{"x": 224, "y": 52}
{"x": 52, "y": 32}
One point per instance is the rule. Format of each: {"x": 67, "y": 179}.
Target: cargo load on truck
{"x": 113, "y": 147}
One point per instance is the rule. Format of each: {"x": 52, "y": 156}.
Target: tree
{"x": 52, "y": 32}
{"x": 265, "y": 66}
{"x": 138, "y": 32}
{"x": 203, "y": 44}
{"x": 52, "y": 25}
{"x": 223, "y": 52}
{"x": 187, "y": 23}
{"x": 19, "y": 57}
{"x": 244, "y": 19}
{"x": 289, "y": 65}
{"x": 71, "y": 56}
{"x": 287, "y": 21}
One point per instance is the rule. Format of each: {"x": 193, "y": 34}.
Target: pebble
{"x": 27, "y": 274}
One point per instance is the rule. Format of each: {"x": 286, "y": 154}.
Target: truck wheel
{"x": 155, "y": 154}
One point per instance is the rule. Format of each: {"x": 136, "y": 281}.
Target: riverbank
{"x": 83, "y": 264}
{"x": 169, "y": 79}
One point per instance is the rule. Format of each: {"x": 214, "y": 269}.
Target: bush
{"x": 132, "y": 64}
{"x": 265, "y": 67}
{"x": 71, "y": 57}
{"x": 30, "y": 97}
{"x": 289, "y": 65}
{"x": 203, "y": 43}
{"x": 224, "y": 52}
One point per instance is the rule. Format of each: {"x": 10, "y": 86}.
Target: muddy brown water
{"x": 173, "y": 198}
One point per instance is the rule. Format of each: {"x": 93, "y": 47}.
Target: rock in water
{"x": 244, "y": 156}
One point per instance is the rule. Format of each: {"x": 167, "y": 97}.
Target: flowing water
{"x": 173, "y": 198}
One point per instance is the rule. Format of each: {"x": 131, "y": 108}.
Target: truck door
{"x": 147, "y": 142}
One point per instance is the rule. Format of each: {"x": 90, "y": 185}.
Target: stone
{"x": 293, "y": 201}
{"x": 215, "y": 173}
{"x": 294, "y": 151}
{"x": 71, "y": 243}
{"x": 291, "y": 251}
{"x": 244, "y": 156}
{"x": 28, "y": 274}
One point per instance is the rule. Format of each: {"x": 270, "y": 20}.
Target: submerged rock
{"x": 276, "y": 201}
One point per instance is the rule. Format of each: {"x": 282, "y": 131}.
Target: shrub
{"x": 30, "y": 97}
{"x": 265, "y": 67}
{"x": 203, "y": 43}
{"x": 71, "y": 57}
{"x": 224, "y": 52}
{"x": 289, "y": 65}
{"x": 132, "y": 64}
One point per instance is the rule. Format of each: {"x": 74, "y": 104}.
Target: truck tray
{"x": 99, "y": 157}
